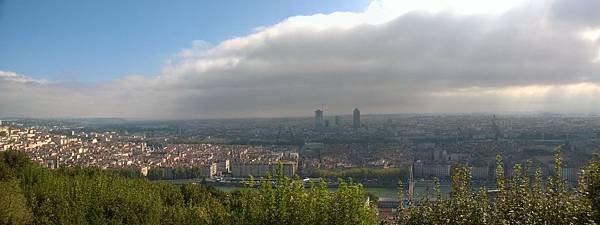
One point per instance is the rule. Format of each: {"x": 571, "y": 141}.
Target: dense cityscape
{"x": 225, "y": 153}
{"x": 432, "y": 144}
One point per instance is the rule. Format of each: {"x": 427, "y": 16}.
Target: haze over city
{"x": 284, "y": 59}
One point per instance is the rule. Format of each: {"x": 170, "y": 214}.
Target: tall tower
{"x": 411, "y": 183}
{"x": 356, "y": 118}
{"x": 318, "y": 118}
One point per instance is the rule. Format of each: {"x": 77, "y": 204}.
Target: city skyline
{"x": 385, "y": 56}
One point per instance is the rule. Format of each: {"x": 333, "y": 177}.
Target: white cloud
{"x": 592, "y": 36}
{"x": 396, "y": 56}
{"x": 7, "y": 76}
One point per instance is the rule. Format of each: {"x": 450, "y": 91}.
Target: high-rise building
{"x": 356, "y": 119}
{"x": 318, "y": 118}
{"x": 336, "y": 119}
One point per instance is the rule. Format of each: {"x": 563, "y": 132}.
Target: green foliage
{"x": 30, "y": 194}
{"x": 590, "y": 186}
{"x": 384, "y": 176}
{"x": 129, "y": 172}
{"x": 518, "y": 200}
{"x": 13, "y": 205}
{"x": 11, "y": 164}
{"x": 162, "y": 174}
{"x": 93, "y": 196}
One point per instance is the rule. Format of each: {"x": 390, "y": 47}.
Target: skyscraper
{"x": 356, "y": 118}
{"x": 318, "y": 118}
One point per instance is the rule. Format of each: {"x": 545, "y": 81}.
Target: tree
{"x": 590, "y": 183}
{"x": 519, "y": 200}
{"x": 13, "y": 205}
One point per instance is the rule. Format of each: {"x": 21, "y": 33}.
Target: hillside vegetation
{"x": 30, "y": 194}
{"x": 521, "y": 198}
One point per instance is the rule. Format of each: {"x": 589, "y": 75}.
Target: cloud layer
{"x": 394, "y": 57}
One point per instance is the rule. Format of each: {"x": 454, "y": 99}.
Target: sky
{"x": 222, "y": 59}
{"x": 78, "y": 40}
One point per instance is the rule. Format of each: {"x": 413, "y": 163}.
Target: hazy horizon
{"x": 190, "y": 60}
{"x": 311, "y": 116}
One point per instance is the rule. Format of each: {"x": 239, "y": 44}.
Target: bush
{"x": 30, "y": 194}
{"x": 13, "y": 205}
{"x": 519, "y": 200}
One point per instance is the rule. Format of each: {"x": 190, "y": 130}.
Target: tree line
{"x": 387, "y": 176}
{"x": 520, "y": 198}
{"x": 31, "y": 194}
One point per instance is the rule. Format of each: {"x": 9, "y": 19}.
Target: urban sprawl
{"x": 430, "y": 145}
